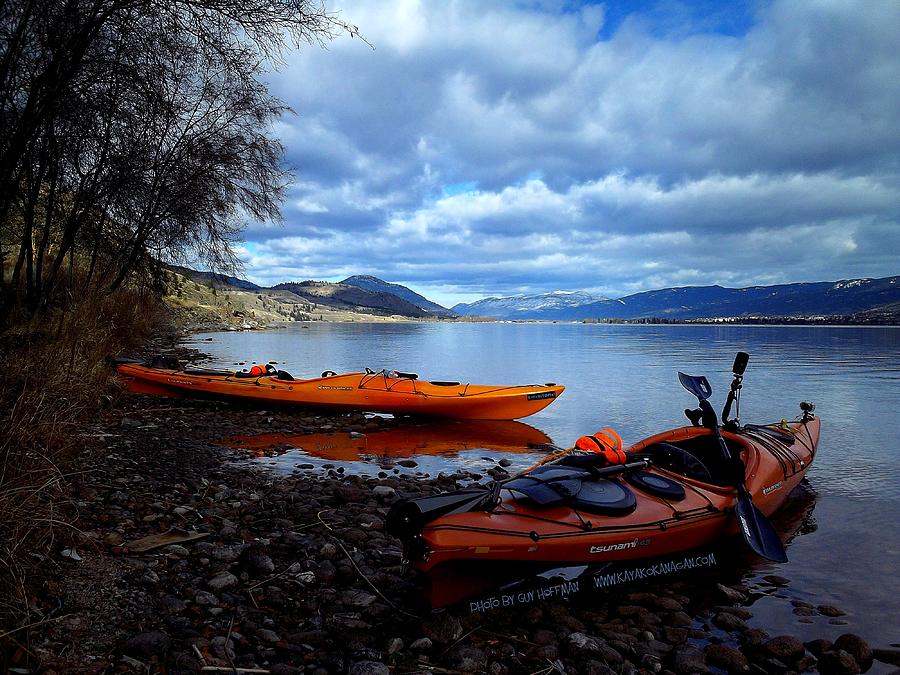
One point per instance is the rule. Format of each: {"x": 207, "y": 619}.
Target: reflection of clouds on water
{"x": 477, "y": 461}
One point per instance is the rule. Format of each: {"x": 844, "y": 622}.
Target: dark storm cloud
{"x": 645, "y": 158}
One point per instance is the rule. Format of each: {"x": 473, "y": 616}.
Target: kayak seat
{"x": 284, "y": 375}
{"x": 654, "y": 484}
{"x": 604, "y": 497}
{"x": 677, "y": 460}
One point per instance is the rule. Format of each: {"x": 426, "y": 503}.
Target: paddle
{"x": 406, "y": 518}
{"x": 756, "y": 528}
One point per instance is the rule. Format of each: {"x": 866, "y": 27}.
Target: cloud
{"x": 491, "y": 148}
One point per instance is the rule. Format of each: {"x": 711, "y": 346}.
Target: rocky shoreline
{"x": 295, "y": 573}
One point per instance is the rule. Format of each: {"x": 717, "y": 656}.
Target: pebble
{"x": 837, "y": 662}
{"x": 384, "y": 492}
{"x": 147, "y": 645}
{"x": 421, "y": 645}
{"x": 318, "y": 615}
{"x": 206, "y": 599}
{"x": 732, "y": 594}
{"x": 727, "y": 658}
{"x": 222, "y": 581}
{"x": 857, "y": 647}
{"x": 785, "y": 648}
{"x": 728, "y": 621}
{"x": 369, "y": 668}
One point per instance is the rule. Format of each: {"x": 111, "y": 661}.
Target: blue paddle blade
{"x": 758, "y": 531}
{"x": 698, "y": 385}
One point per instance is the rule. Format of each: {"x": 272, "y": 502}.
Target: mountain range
{"x": 819, "y": 299}
{"x": 863, "y": 299}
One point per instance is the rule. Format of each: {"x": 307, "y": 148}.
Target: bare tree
{"x": 133, "y": 131}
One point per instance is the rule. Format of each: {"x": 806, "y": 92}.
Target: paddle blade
{"x": 407, "y": 517}
{"x": 758, "y": 531}
{"x": 698, "y": 385}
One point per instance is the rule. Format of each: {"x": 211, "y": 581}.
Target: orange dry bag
{"x": 258, "y": 370}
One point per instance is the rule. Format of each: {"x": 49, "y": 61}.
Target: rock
{"x": 689, "y": 660}
{"x": 728, "y": 658}
{"x": 680, "y": 619}
{"x": 505, "y": 462}
{"x": 838, "y": 662}
{"x": 830, "y": 610}
{"x": 584, "y": 646}
{"x": 732, "y": 594}
{"x": 369, "y": 668}
{"x": 222, "y": 581}
{"x": 543, "y": 637}
{"x": 443, "y": 628}
{"x": 150, "y": 644}
{"x": 730, "y": 622}
{"x": 255, "y": 561}
{"x": 171, "y": 605}
{"x": 358, "y": 598}
{"x": 384, "y": 492}
{"x": 469, "y": 659}
{"x": 820, "y": 646}
{"x": 739, "y": 612}
{"x": 408, "y": 463}
{"x": 858, "y": 648}
{"x": 395, "y": 645}
{"x": 226, "y": 554}
{"x": 206, "y": 599}
{"x": 421, "y": 645}
{"x": 326, "y": 572}
{"x": 267, "y": 635}
{"x": 176, "y": 550}
{"x": 222, "y": 648}
{"x": 785, "y": 648}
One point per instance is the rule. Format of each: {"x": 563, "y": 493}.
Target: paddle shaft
{"x": 755, "y": 527}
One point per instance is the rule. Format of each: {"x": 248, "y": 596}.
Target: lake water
{"x": 847, "y": 548}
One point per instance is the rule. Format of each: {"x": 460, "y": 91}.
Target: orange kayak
{"x": 645, "y": 513}
{"x": 436, "y": 438}
{"x": 672, "y": 492}
{"x": 386, "y": 392}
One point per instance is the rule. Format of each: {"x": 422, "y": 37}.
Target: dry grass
{"x": 55, "y": 380}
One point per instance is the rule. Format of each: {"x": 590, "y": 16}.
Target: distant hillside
{"x": 839, "y": 298}
{"x": 342, "y": 296}
{"x": 370, "y": 283}
{"x": 211, "y": 278}
{"x": 528, "y": 306}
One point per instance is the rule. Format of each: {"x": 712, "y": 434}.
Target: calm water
{"x": 847, "y": 551}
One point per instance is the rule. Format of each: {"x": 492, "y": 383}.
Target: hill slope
{"x": 342, "y": 296}
{"x": 376, "y": 285}
{"x": 541, "y": 306}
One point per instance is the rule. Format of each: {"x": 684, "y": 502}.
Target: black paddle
{"x": 756, "y": 528}
{"x": 407, "y": 517}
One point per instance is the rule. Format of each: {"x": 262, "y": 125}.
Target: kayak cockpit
{"x": 696, "y": 456}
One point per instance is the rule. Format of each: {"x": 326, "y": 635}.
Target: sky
{"x": 483, "y": 149}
